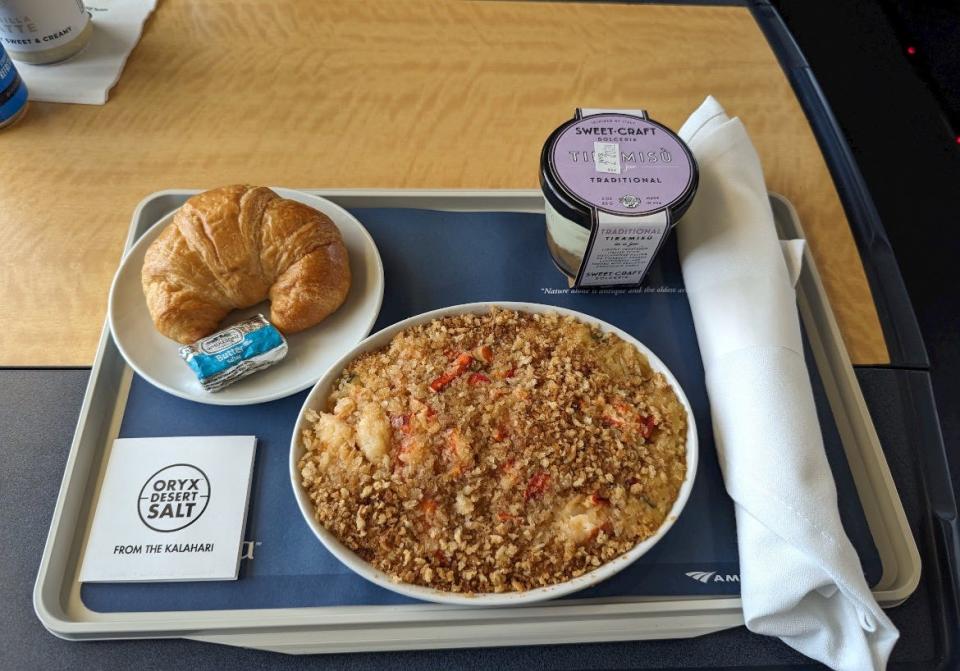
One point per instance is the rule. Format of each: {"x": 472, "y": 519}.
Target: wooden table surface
{"x": 385, "y": 93}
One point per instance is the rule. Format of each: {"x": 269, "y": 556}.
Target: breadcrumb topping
{"x": 495, "y": 453}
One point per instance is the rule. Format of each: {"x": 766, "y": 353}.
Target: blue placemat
{"x": 433, "y": 259}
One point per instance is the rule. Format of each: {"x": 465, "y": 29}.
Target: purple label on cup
{"x": 622, "y": 164}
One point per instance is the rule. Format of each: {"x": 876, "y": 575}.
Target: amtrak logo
{"x": 712, "y": 576}
{"x": 702, "y": 576}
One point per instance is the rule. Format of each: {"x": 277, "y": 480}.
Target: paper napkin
{"x": 88, "y": 77}
{"x": 801, "y": 579}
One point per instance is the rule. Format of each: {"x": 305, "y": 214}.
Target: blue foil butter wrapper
{"x": 229, "y": 355}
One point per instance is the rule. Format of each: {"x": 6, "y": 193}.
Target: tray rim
{"x": 297, "y": 629}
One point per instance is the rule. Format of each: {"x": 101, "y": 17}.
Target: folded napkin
{"x": 801, "y": 579}
{"x": 88, "y": 77}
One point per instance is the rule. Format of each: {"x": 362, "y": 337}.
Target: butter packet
{"x": 229, "y": 355}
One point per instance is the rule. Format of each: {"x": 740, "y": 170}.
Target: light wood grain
{"x": 374, "y": 94}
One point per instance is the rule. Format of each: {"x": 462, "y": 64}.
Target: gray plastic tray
{"x": 368, "y": 628}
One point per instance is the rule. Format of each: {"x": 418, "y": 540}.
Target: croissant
{"x": 235, "y": 246}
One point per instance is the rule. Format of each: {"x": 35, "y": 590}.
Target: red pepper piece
{"x": 537, "y": 485}
{"x": 478, "y": 378}
{"x": 599, "y": 500}
{"x": 442, "y": 381}
{"x": 647, "y": 425}
{"x": 429, "y": 506}
{"x": 611, "y": 421}
{"x": 458, "y": 369}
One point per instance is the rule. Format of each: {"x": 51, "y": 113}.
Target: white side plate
{"x": 311, "y": 352}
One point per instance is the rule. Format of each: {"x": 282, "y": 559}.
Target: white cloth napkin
{"x": 88, "y": 77}
{"x": 801, "y": 579}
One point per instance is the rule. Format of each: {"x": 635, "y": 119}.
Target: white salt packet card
{"x": 171, "y": 509}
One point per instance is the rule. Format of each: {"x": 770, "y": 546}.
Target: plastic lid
{"x": 617, "y": 163}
